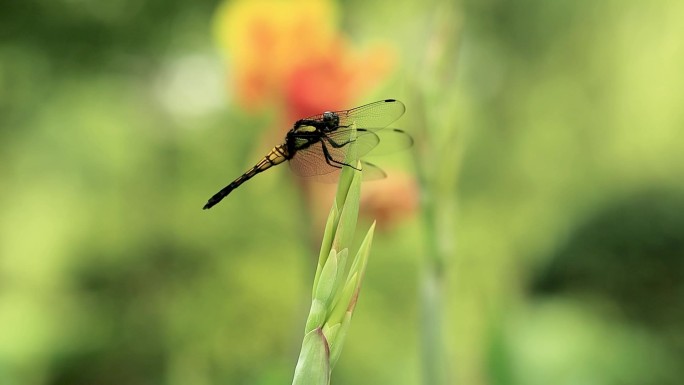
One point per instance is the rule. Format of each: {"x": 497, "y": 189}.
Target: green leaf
{"x": 313, "y": 364}
{"x": 361, "y": 259}
{"x": 342, "y": 300}
{"x": 348, "y": 214}
{"x": 326, "y": 283}
{"x": 317, "y": 315}
{"x": 334, "y": 296}
{"x": 342, "y": 257}
{"x": 326, "y": 243}
{"x": 344, "y": 184}
{"x": 330, "y": 332}
{"x": 336, "y": 340}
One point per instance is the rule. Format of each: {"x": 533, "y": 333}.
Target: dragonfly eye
{"x": 331, "y": 119}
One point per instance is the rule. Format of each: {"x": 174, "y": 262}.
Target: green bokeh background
{"x": 565, "y": 208}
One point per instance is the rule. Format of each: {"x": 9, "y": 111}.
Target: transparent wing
{"x": 371, "y": 171}
{"x": 376, "y": 143}
{"x": 311, "y": 164}
{"x": 329, "y": 155}
{"x": 364, "y": 142}
{"x": 390, "y": 140}
{"x": 374, "y": 116}
{"x": 313, "y": 161}
{"x": 324, "y": 160}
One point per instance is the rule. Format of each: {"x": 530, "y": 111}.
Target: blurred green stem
{"x": 437, "y": 163}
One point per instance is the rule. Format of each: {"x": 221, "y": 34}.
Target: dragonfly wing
{"x": 312, "y": 161}
{"x": 365, "y": 141}
{"x": 374, "y": 116}
{"x": 323, "y": 160}
{"x": 391, "y": 140}
{"x": 373, "y": 143}
{"x": 371, "y": 171}
{"x": 357, "y": 135}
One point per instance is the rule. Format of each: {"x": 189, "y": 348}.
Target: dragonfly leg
{"x": 337, "y": 145}
{"x": 329, "y": 159}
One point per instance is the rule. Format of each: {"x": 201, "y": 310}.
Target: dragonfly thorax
{"x": 301, "y": 137}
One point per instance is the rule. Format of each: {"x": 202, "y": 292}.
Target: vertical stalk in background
{"x": 335, "y": 289}
{"x": 437, "y": 159}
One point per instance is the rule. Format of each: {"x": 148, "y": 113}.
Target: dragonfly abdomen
{"x": 277, "y": 155}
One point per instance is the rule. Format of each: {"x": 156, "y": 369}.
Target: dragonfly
{"x": 320, "y": 145}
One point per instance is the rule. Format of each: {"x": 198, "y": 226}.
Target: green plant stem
{"x": 336, "y": 288}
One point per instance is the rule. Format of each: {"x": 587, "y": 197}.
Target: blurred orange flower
{"x": 390, "y": 201}
{"x": 291, "y": 53}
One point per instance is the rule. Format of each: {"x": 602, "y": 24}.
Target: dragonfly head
{"x": 331, "y": 120}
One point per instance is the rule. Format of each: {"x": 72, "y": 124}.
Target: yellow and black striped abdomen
{"x": 277, "y": 155}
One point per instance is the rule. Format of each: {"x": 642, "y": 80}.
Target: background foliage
{"x": 558, "y": 175}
